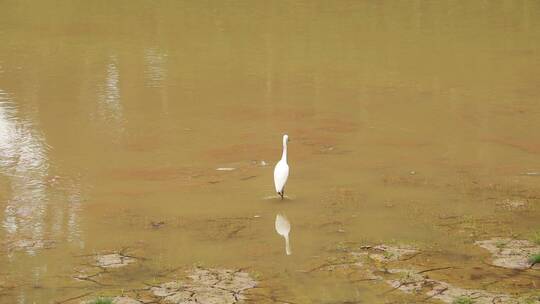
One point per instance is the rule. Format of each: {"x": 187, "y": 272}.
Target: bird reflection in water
{"x": 283, "y": 228}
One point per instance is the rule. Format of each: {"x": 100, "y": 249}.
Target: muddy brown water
{"x": 410, "y": 122}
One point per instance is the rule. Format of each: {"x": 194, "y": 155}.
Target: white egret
{"x": 281, "y": 171}
{"x": 283, "y": 228}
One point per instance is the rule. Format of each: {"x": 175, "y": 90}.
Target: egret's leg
{"x": 281, "y": 194}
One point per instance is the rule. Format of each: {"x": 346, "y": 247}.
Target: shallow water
{"x": 410, "y": 122}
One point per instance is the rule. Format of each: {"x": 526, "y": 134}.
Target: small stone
{"x": 225, "y": 169}
{"x": 157, "y": 225}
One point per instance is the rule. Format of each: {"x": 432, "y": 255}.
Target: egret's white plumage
{"x": 281, "y": 171}
{"x": 283, "y": 228}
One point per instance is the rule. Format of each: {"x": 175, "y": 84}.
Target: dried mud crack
{"x": 391, "y": 265}
{"x": 201, "y": 285}
{"x": 219, "y": 286}
{"x": 510, "y": 253}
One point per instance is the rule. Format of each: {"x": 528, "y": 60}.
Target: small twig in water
{"x": 74, "y": 298}
{"x": 438, "y": 268}
{"x": 327, "y": 265}
{"x": 410, "y": 257}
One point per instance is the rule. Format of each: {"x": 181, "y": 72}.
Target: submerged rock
{"x": 509, "y": 253}
{"x": 113, "y": 260}
{"x": 212, "y": 286}
{"x": 513, "y": 204}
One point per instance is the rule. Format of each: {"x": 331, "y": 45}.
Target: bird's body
{"x": 281, "y": 171}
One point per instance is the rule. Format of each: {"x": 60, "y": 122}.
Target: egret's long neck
{"x": 284, "y": 155}
{"x": 287, "y": 245}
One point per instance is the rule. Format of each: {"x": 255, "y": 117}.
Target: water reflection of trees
{"x": 35, "y": 196}
{"x": 23, "y": 161}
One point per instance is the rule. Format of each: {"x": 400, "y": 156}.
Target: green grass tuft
{"x": 388, "y": 255}
{"x": 102, "y": 301}
{"x": 463, "y": 300}
{"x": 535, "y": 259}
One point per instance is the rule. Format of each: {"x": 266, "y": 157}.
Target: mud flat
{"x": 411, "y": 281}
{"x": 510, "y": 253}
{"x": 395, "y": 266}
{"x": 200, "y": 285}
{"x": 207, "y": 286}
